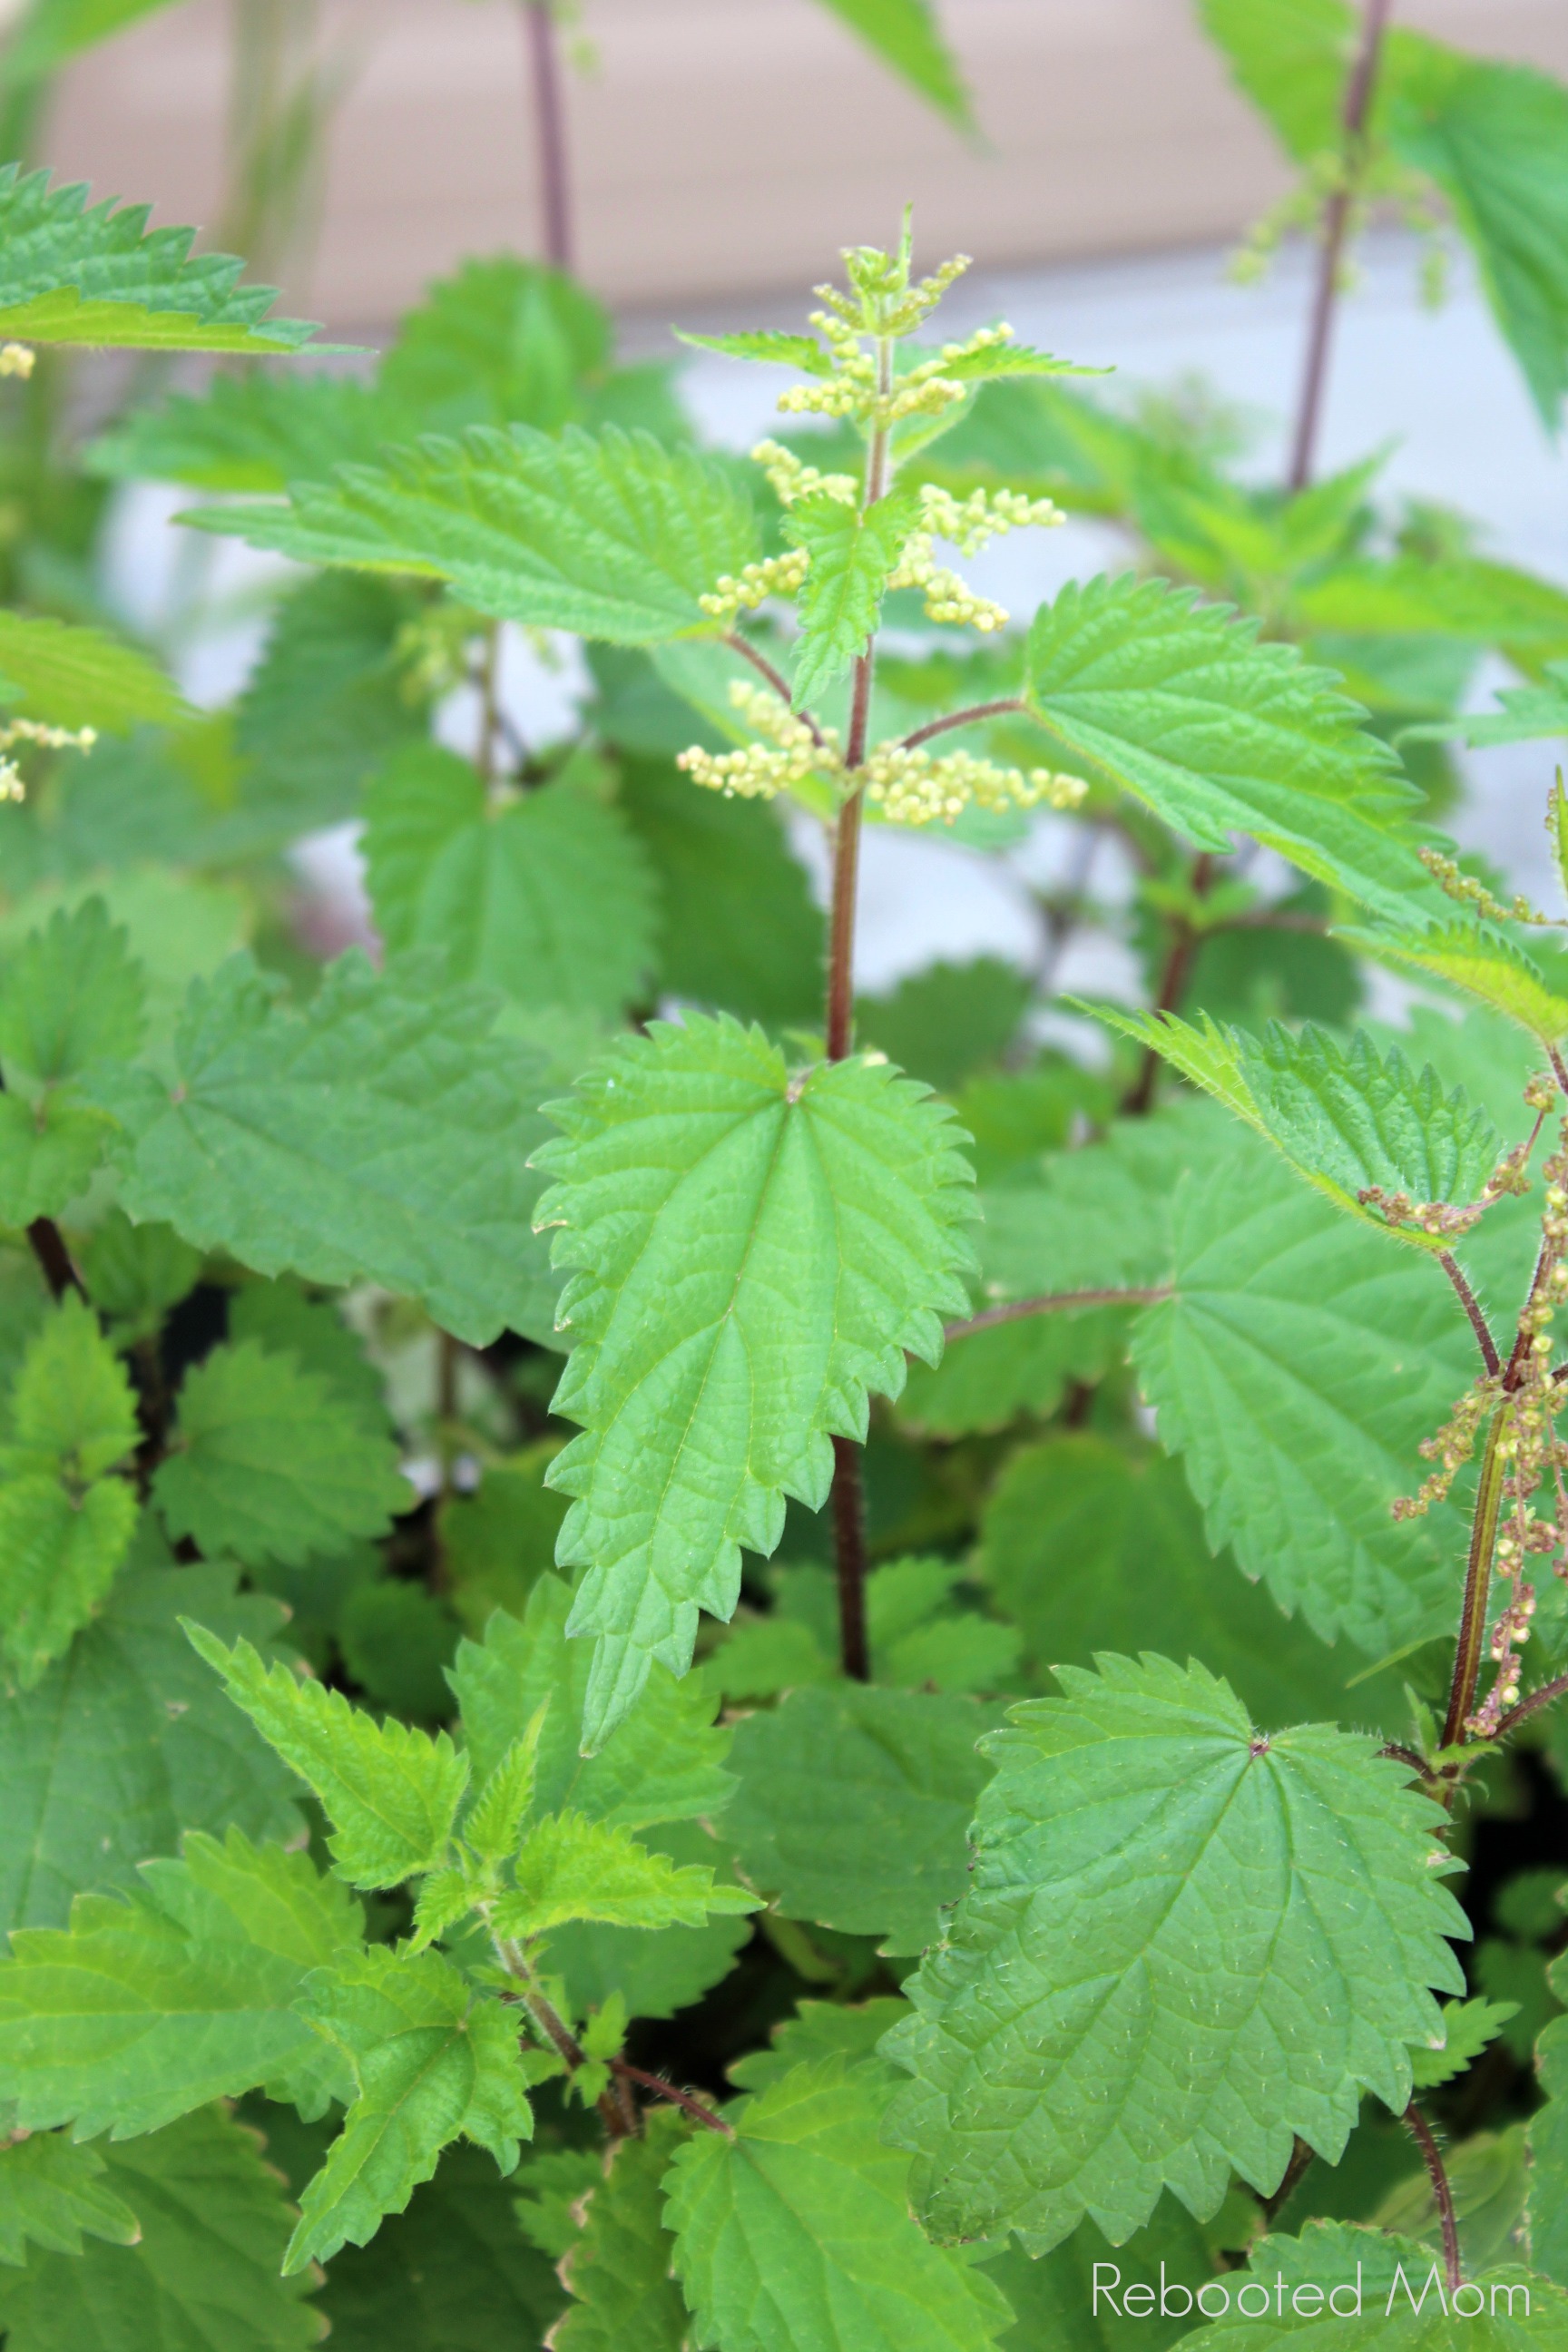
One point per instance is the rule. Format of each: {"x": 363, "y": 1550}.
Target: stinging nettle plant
{"x": 599, "y": 1650}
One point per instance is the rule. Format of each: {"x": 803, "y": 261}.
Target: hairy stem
{"x": 1478, "y": 1583}
{"x": 1056, "y": 1302}
{"x": 549, "y": 130}
{"x": 1546, "y": 1695}
{"x": 1471, "y": 1306}
{"x": 1431, "y": 2157}
{"x": 618, "y": 2114}
{"x": 686, "y": 2100}
{"x": 1418, "y": 1765}
{"x": 1184, "y": 941}
{"x": 848, "y": 1504}
{"x": 1337, "y": 212}
{"x": 1007, "y": 708}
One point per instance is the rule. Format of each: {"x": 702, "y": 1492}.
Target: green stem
{"x": 1478, "y": 1582}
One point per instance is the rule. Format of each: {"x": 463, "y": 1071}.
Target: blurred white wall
{"x": 727, "y": 146}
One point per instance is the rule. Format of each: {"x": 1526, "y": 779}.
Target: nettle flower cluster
{"x": 14, "y": 733}
{"x": 909, "y": 783}
{"x": 857, "y": 384}
{"x": 1525, "y": 1398}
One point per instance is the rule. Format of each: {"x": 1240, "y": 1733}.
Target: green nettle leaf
{"x": 1343, "y": 1118}
{"x": 452, "y": 2272}
{"x": 329, "y": 702}
{"x": 70, "y": 999}
{"x": 53, "y": 31}
{"x": 921, "y": 1639}
{"x": 664, "y": 1762}
{"x": 502, "y": 342}
{"x": 1459, "y": 597}
{"x": 251, "y": 433}
{"x": 607, "y": 535}
{"x": 1182, "y": 705}
{"x": 78, "y": 274}
{"x": 1090, "y": 1547}
{"x": 391, "y": 1792}
{"x": 380, "y": 1135}
{"x": 284, "y": 1319}
{"x": 948, "y": 1021}
{"x": 548, "y": 898}
{"x": 135, "y": 1274}
{"x": 140, "y": 2010}
{"x": 573, "y": 1868}
{"x": 1291, "y": 56}
{"x": 127, "y": 1741}
{"x": 1469, "y": 2027}
{"x": 431, "y": 2061}
{"x": 70, "y": 1408}
{"x": 740, "y": 929}
{"x": 1184, "y": 1942}
{"x": 80, "y": 677}
{"x": 1338, "y": 2288}
{"x": 59, "y": 1553}
{"x": 65, "y": 1527}
{"x": 1055, "y": 2295}
{"x": 267, "y": 1464}
{"x": 397, "y": 1640}
{"x": 617, "y": 2270}
{"x": 181, "y": 927}
{"x": 821, "y": 2029}
{"x": 854, "y": 551}
{"x": 906, "y": 35}
{"x": 1482, "y": 963}
{"x": 53, "y": 2195}
{"x": 1527, "y": 714}
{"x": 853, "y": 1806}
{"x": 1548, "y": 2148}
{"x": 657, "y": 1975}
{"x": 213, "y": 2219}
{"x": 796, "y": 2228}
{"x": 1098, "y": 1217}
{"x": 754, "y": 1253}
{"x": 1297, "y": 1370}
{"x": 987, "y": 1378}
{"x": 1495, "y": 138}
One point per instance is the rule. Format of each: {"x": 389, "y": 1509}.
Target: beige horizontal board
{"x": 725, "y": 146}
